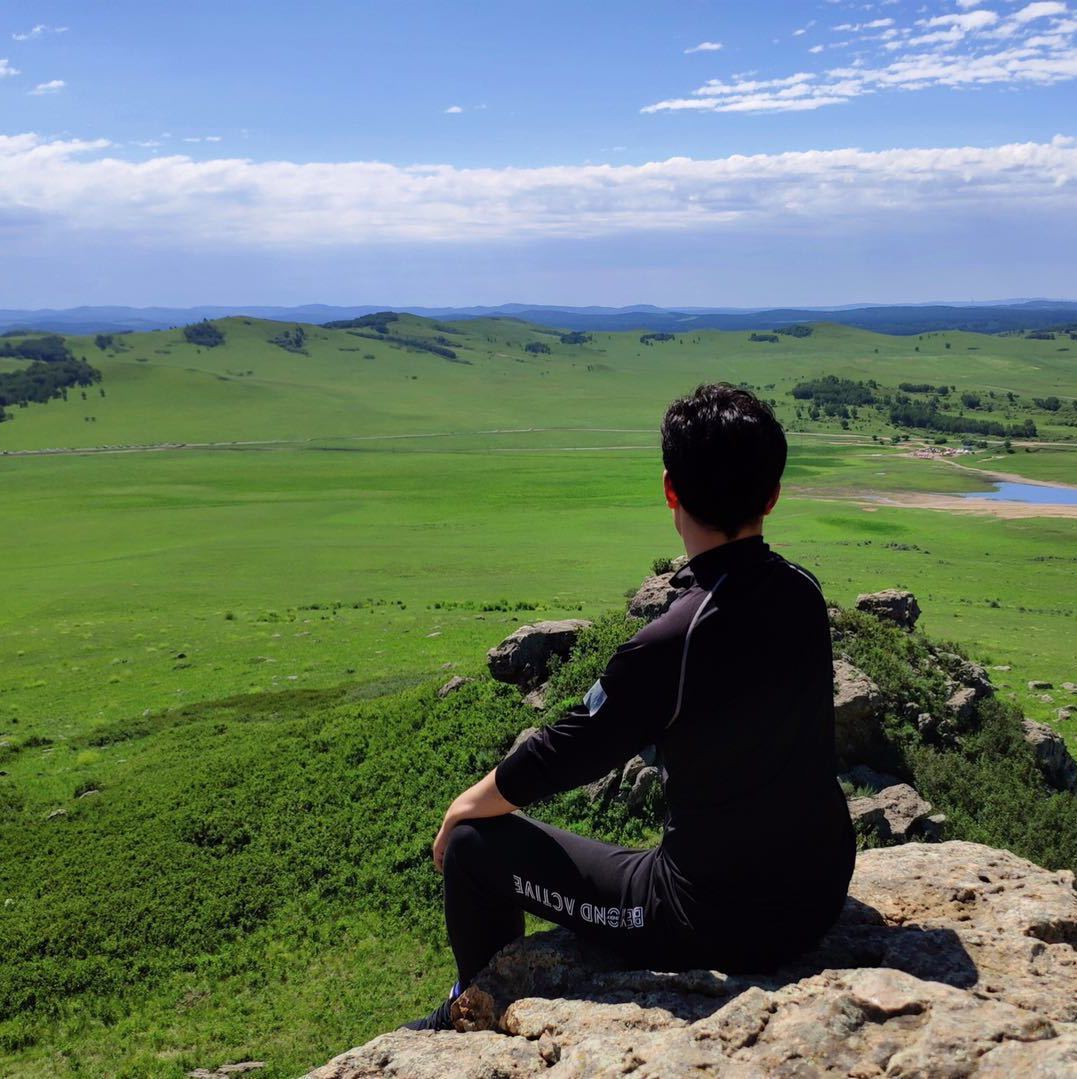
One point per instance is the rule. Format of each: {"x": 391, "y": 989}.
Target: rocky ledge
{"x": 950, "y": 959}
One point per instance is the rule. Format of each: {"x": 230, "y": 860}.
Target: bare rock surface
{"x": 1052, "y": 755}
{"x": 654, "y": 597}
{"x": 857, "y": 705}
{"x": 523, "y": 658}
{"x": 896, "y": 812}
{"x": 891, "y": 605}
{"x": 950, "y": 960}
{"x": 452, "y": 685}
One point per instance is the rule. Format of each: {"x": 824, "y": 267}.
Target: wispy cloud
{"x": 875, "y": 24}
{"x": 704, "y": 46}
{"x": 453, "y": 110}
{"x": 77, "y": 184}
{"x": 964, "y": 21}
{"x": 1035, "y": 44}
{"x": 6, "y": 70}
{"x": 39, "y": 31}
{"x": 1039, "y": 11}
{"x": 53, "y": 86}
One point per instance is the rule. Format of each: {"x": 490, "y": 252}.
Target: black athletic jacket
{"x": 734, "y": 685}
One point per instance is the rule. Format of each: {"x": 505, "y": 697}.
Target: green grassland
{"x": 231, "y": 594}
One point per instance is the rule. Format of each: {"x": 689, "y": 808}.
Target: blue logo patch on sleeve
{"x": 595, "y": 697}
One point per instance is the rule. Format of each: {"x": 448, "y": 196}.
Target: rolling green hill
{"x": 160, "y": 388}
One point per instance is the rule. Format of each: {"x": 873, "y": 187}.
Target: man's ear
{"x": 772, "y": 501}
{"x": 672, "y": 501}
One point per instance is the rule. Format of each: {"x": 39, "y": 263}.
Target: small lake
{"x": 1027, "y": 492}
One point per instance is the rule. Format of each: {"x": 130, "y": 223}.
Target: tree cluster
{"x": 291, "y": 340}
{"x": 204, "y": 334}
{"x": 923, "y": 387}
{"x": 379, "y": 322}
{"x": 830, "y": 388}
{"x": 50, "y": 348}
{"x": 908, "y": 413}
{"x": 41, "y": 381}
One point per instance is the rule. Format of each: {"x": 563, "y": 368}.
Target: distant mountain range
{"x": 992, "y": 317}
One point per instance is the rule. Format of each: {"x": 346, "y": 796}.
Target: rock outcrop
{"x": 857, "y": 705}
{"x": 452, "y": 685}
{"x": 949, "y": 960}
{"x": 654, "y": 597}
{"x": 892, "y": 605}
{"x": 1052, "y": 756}
{"x": 656, "y": 593}
{"x": 523, "y": 658}
{"x": 896, "y": 812}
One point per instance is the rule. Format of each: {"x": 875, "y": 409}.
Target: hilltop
{"x": 991, "y": 317}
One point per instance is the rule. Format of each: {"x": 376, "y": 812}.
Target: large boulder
{"x": 653, "y": 597}
{"x": 857, "y": 706}
{"x": 891, "y": 605}
{"x": 965, "y": 672}
{"x": 523, "y": 658}
{"x": 1052, "y": 756}
{"x": 949, "y": 960}
{"x": 896, "y": 812}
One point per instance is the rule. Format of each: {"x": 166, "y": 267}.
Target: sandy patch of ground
{"x": 1012, "y": 477}
{"x": 870, "y": 501}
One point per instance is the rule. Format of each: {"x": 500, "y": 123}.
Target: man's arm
{"x": 481, "y": 800}
{"x": 625, "y": 710}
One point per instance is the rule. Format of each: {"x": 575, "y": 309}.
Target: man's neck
{"x": 699, "y": 541}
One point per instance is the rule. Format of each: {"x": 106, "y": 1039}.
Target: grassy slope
{"x": 182, "y": 393}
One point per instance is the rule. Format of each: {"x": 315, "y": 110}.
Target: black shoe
{"x": 439, "y": 1019}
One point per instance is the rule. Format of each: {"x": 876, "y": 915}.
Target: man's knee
{"x": 468, "y": 843}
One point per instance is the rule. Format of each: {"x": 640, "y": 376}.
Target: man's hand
{"x": 441, "y": 841}
{"x": 481, "y": 800}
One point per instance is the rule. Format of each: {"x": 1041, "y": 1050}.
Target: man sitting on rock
{"x": 733, "y": 685}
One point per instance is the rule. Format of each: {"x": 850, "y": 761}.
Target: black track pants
{"x": 497, "y": 868}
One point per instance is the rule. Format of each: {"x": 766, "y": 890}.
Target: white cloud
{"x": 6, "y": 70}
{"x": 452, "y": 110}
{"x": 1039, "y": 11}
{"x": 39, "y": 31}
{"x": 970, "y": 21}
{"x": 968, "y": 3}
{"x": 1036, "y": 45}
{"x": 53, "y": 86}
{"x": 875, "y": 24}
{"x": 82, "y": 184}
{"x": 704, "y": 46}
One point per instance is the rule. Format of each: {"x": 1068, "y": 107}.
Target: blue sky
{"x": 453, "y": 153}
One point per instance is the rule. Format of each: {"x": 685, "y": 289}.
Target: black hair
{"x": 725, "y": 452}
